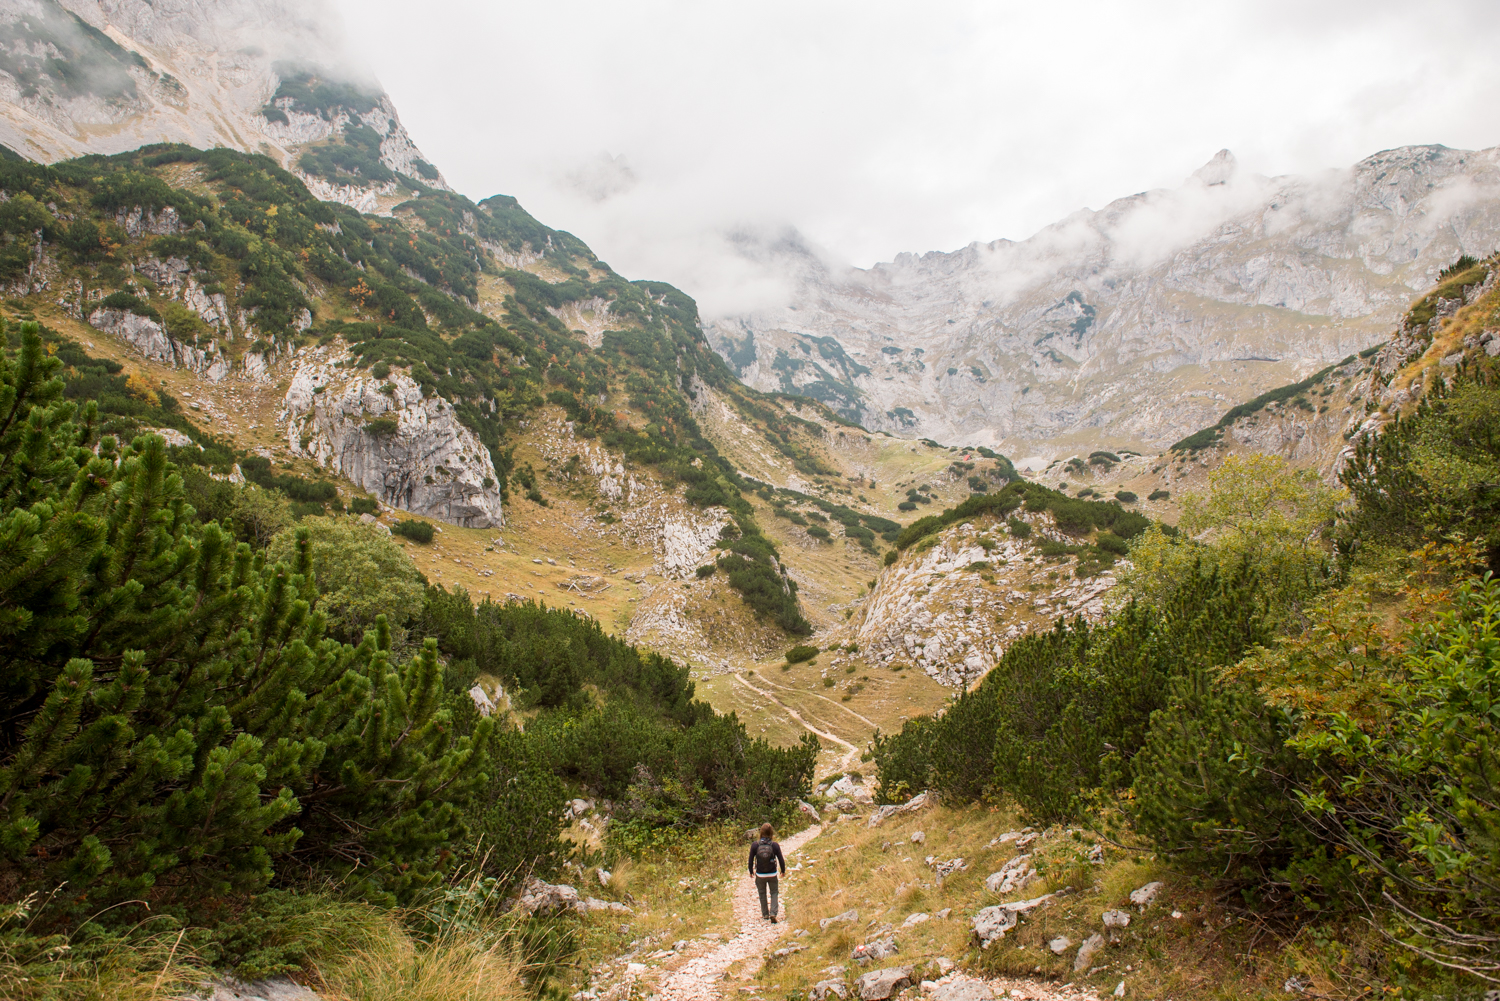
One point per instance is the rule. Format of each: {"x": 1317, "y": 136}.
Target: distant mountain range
{"x": 1130, "y": 326}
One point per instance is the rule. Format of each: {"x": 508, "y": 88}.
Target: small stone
{"x": 881, "y": 948}
{"x": 634, "y": 969}
{"x": 942, "y": 915}
{"x": 849, "y": 916}
{"x": 1120, "y": 990}
{"x": 912, "y": 920}
{"x": 1087, "y": 951}
{"x": 918, "y": 837}
{"x": 1059, "y": 945}
{"x": 1144, "y": 897}
{"x": 825, "y": 989}
{"x": 1116, "y": 919}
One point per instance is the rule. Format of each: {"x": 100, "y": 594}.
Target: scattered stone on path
{"x": 912, "y": 920}
{"x": 825, "y": 989}
{"x": 1116, "y": 919}
{"x": 1059, "y": 945}
{"x": 963, "y": 989}
{"x": 879, "y": 985}
{"x": 945, "y": 965}
{"x": 1146, "y": 895}
{"x": 1087, "y": 951}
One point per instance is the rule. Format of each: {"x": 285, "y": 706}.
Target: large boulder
{"x": 878, "y": 985}
{"x": 823, "y": 990}
{"x": 1013, "y": 875}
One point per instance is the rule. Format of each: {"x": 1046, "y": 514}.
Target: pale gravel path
{"x": 700, "y": 979}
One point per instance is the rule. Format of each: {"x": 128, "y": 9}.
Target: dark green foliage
{"x": 416, "y": 531}
{"x": 173, "y": 704}
{"x": 1429, "y": 474}
{"x": 818, "y": 532}
{"x": 800, "y": 653}
{"x": 1038, "y": 726}
{"x": 1159, "y": 494}
{"x": 644, "y": 738}
{"x": 707, "y": 570}
{"x": 364, "y": 505}
{"x": 1125, "y": 497}
{"x": 353, "y": 159}
{"x": 1074, "y": 516}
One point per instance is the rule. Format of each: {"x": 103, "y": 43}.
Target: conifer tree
{"x": 173, "y": 716}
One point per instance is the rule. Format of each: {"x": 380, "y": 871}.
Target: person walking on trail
{"x": 766, "y": 861}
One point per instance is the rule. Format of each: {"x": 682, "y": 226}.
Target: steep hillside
{"x": 1318, "y": 422}
{"x": 403, "y": 356}
{"x": 1128, "y": 327}
{"x": 259, "y": 76}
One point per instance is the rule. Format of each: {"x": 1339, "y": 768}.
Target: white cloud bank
{"x": 682, "y": 139}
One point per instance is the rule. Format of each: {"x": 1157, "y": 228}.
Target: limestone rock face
{"x": 409, "y": 450}
{"x": 1133, "y": 325}
{"x": 198, "y": 73}
{"x": 148, "y": 337}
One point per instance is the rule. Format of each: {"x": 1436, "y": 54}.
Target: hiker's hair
{"x": 766, "y": 831}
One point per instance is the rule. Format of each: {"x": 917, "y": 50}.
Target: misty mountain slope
{"x": 267, "y": 76}
{"x": 1130, "y": 326}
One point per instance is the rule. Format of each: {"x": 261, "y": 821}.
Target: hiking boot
{"x": 773, "y": 919}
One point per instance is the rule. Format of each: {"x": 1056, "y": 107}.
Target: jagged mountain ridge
{"x": 1130, "y": 326}
{"x": 267, "y": 76}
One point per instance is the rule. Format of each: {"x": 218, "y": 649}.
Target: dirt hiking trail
{"x": 700, "y": 979}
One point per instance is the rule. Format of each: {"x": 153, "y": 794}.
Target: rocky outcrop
{"x": 1136, "y": 324}
{"x": 953, "y": 608}
{"x": 408, "y": 449}
{"x": 152, "y": 340}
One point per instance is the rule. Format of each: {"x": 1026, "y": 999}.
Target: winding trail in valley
{"x": 700, "y": 979}
{"x": 851, "y": 753}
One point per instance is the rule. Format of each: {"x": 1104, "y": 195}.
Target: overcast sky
{"x": 667, "y": 134}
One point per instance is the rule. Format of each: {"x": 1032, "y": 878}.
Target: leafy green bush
{"x": 1018, "y": 528}
{"x": 800, "y": 653}
{"x": 416, "y": 531}
{"x": 1125, "y": 497}
{"x": 819, "y": 532}
{"x": 1111, "y": 543}
{"x": 364, "y": 505}
{"x": 707, "y": 570}
{"x": 1159, "y": 494}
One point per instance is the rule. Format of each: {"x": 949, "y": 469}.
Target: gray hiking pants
{"x": 762, "y": 883}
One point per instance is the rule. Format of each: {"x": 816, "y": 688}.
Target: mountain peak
{"x": 1219, "y": 170}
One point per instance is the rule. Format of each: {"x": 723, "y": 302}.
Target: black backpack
{"x": 765, "y": 852}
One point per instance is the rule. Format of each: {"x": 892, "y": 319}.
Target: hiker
{"x": 765, "y": 856}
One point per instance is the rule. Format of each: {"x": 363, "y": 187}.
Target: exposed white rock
{"x": 152, "y": 340}
{"x": 410, "y": 451}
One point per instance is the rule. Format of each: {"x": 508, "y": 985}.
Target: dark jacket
{"x": 778, "y": 858}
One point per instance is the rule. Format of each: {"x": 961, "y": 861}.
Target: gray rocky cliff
{"x": 407, "y": 449}
{"x": 1130, "y": 326}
